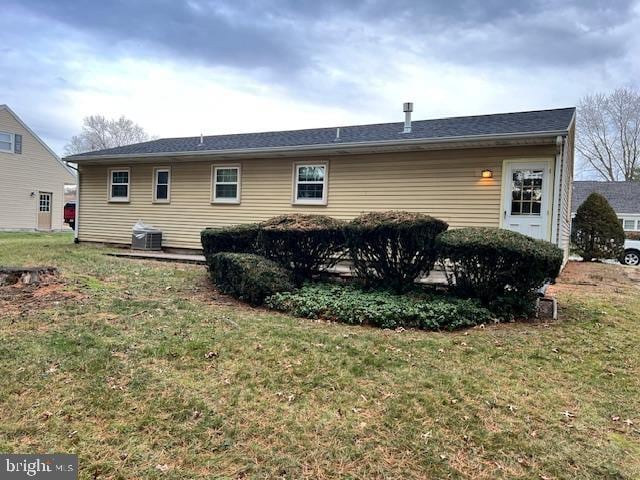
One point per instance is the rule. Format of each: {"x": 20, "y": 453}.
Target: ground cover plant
{"x": 392, "y": 248}
{"x": 146, "y": 372}
{"x": 351, "y": 304}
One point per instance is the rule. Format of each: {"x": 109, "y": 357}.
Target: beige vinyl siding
{"x": 566, "y": 185}
{"x": 445, "y": 184}
{"x": 34, "y": 170}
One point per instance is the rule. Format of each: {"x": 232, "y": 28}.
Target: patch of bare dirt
{"x": 20, "y": 299}
{"x": 207, "y": 293}
{"x": 596, "y": 278}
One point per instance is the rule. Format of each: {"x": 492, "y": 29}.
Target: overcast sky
{"x": 181, "y": 68}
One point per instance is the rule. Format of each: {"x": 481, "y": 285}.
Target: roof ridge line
{"x": 456, "y": 117}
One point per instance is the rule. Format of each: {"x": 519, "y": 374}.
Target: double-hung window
{"x": 310, "y": 184}
{"x": 6, "y": 142}
{"x": 119, "y": 184}
{"x": 226, "y": 184}
{"x": 629, "y": 224}
{"x": 161, "y": 184}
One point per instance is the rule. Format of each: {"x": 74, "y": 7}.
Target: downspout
{"x": 557, "y": 182}
{"x": 77, "y": 225}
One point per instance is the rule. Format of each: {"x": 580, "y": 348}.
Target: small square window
{"x": 629, "y": 224}
{"x": 310, "y": 184}
{"x": 119, "y": 185}
{"x": 226, "y": 184}
{"x": 6, "y": 142}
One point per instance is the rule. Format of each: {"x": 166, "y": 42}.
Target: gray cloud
{"x": 329, "y": 52}
{"x": 187, "y": 30}
{"x": 284, "y": 36}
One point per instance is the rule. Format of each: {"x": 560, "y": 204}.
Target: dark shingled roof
{"x": 519, "y": 123}
{"x": 624, "y": 197}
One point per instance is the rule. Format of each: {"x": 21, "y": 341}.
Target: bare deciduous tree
{"x": 608, "y": 136}
{"x": 99, "y": 133}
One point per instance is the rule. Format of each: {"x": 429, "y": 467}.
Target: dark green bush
{"x": 236, "y": 239}
{"x": 248, "y": 277}
{"x": 350, "y": 304}
{"x": 392, "y": 248}
{"x": 596, "y": 231}
{"x": 500, "y": 267}
{"x": 303, "y": 243}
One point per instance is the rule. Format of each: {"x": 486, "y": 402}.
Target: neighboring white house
{"x": 32, "y": 178}
{"x": 624, "y": 198}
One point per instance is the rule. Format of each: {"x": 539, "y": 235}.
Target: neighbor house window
{"x": 119, "y": 185}
{"x": 226, "y": 184}
{"x": 629, "y": 224}
{"x": 310, "y": 184}
{"x": 45, "y": 202}
{"x": 6, "y": 142}
{"x": 161, "y": 184}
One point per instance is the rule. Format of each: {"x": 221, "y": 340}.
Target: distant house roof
{"x": 624, "y": 197}
{"x": 542, "y": 122}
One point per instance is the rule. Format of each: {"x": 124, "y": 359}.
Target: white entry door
{"x": 527, "y": 194}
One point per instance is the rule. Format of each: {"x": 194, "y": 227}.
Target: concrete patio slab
{"x": 162, "y": 256}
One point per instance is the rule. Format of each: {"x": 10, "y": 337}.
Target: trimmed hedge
{"x": 248, "y": 277}
{"x": 393, "y": 248}
{"x": 596, "y": 231}
{"x": 303, "y": 243}
{"x": 503, "y": 269}
{"x": 350, "y": 304}
{"x": 632, "y": 235}
{"x": 237, "y": 239}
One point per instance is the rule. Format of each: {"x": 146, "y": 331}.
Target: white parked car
{"x": 631, "y": 254}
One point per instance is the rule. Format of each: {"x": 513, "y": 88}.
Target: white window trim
{"x": 325, "y": 184}
{"x": 110, "y": 179}
{"x": 156, "y": 170}
{"x": 12, "y": 140}
{"x": 232, "y": 201}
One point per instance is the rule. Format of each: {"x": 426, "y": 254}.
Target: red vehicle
{"x": 70, "y": 214}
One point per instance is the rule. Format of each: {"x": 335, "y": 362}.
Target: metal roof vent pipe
{"x": 407, "y": 108}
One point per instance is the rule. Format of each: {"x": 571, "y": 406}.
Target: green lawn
{"x": 145, "y": 372}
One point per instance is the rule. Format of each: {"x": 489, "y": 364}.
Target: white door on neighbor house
{"x": 527, "y": 194}
{"x": 44, "y": 211}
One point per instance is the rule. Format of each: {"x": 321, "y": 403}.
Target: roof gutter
{"x": 329, "y": 147}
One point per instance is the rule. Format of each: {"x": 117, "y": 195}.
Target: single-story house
{"x": 624, "y": 198}
{"x": 511, "y": 170}
{"x": 32, "y": 179}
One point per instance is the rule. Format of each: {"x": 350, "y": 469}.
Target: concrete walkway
{"x": 436, "y": 277}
